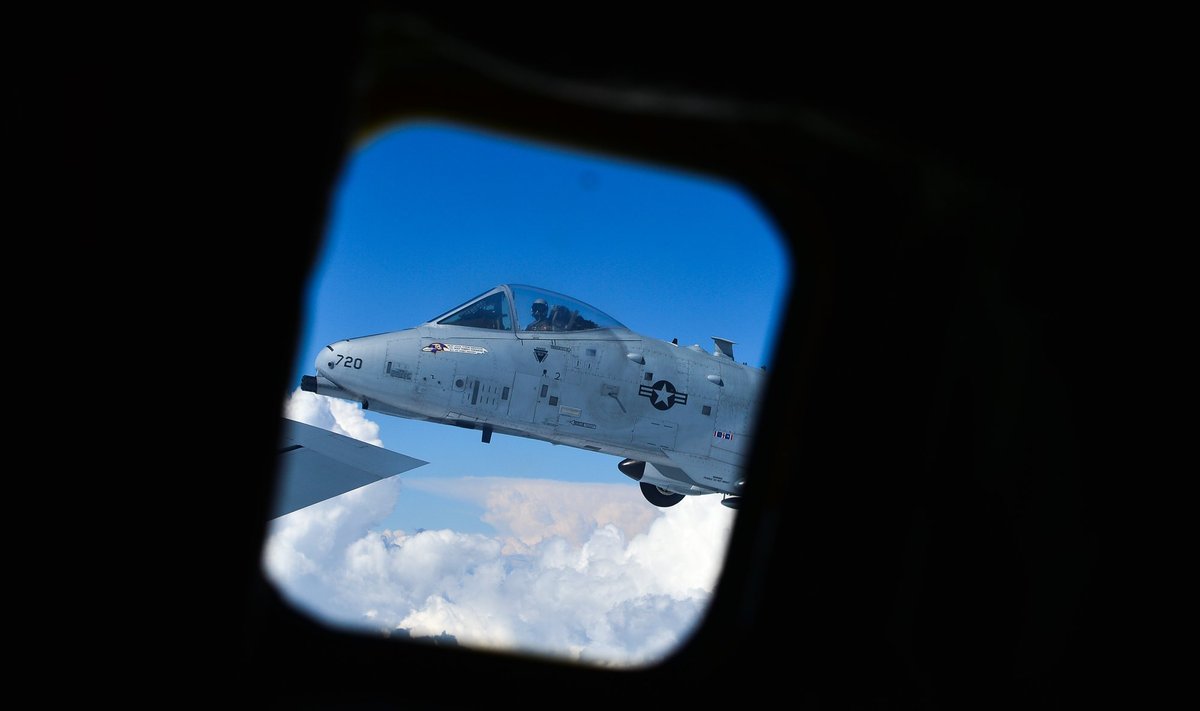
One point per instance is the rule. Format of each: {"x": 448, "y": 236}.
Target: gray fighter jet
{"x": 533, "y": 363}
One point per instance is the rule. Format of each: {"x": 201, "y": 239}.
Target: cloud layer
{"x": 340, "y": 416}
{"x": 586, "y": 571}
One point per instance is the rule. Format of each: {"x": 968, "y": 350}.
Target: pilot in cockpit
{"x": 561, "y": 318}
{"x": 540, "y": 312}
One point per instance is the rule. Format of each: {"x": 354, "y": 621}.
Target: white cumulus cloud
{"x": 587, "y": 571}
{"x": 583, "y": 570}
{"x": 526, "y": 512}
{"x": 340, "y": 416}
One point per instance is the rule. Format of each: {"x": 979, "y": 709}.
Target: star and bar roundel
{"x": 662, "y": 395}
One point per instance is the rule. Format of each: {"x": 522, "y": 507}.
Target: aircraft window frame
{"x": 577, "y": 315}
{"x": 460, "y": 306}
{"x": 467, "y": 373}
{"x": 504, "y": 322}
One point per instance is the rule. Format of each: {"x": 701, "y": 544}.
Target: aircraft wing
{"x": 316, "y": 464}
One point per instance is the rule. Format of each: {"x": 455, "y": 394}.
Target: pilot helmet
{"x": 540, "y": 307}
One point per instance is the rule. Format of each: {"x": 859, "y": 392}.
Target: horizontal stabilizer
{"x": 316, "y": 464}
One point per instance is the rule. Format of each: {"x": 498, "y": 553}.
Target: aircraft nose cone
{"x": 326, "y": 360}
{"x": 324, "y": 364}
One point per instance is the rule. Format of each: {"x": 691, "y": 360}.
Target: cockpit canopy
{"x": 518, "y": 307}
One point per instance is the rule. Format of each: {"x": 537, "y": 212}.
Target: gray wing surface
{"x": 316, "y": 464}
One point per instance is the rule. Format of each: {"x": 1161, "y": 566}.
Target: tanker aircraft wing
{"x": 316, "y": 464}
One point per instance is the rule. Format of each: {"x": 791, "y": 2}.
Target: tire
{"x": 660, "y": 498}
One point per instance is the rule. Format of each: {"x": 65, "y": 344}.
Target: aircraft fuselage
{"x": 686, "y": 412}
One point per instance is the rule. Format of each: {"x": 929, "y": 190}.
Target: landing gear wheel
{"x": 660, "y": 497}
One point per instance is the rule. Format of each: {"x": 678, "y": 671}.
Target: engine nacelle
{"x": 632, "y": 468}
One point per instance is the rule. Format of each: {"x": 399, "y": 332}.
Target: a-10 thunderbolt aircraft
{"x": 528, "y": 362}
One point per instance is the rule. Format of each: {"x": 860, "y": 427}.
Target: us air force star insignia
{"x": 663, "y": 395}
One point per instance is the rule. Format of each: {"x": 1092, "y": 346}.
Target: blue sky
{"x": 426, "y": 216}
{"x": 519, "y": 544}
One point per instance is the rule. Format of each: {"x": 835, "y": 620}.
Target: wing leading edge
{"x": 316, "y": 464}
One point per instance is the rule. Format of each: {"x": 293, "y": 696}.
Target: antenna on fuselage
{"x": 724, "y": 347}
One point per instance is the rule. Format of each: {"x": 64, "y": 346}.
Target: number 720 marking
{"x": 355, "y": 363}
